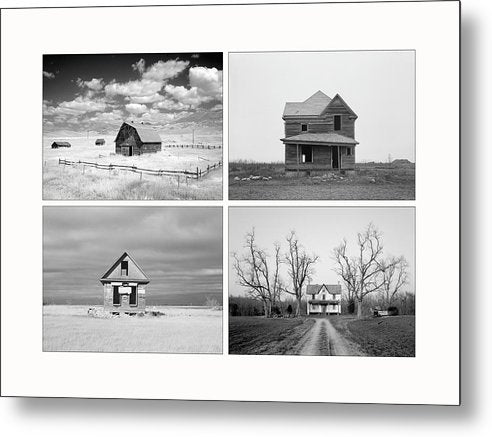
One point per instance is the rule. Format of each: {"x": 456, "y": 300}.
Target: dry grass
{"x": 65, "y": 182}
{"x": 181, "y": 330}
{"x": 261, "y": 336}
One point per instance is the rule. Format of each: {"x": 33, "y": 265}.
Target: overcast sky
{"x": 378, "y": 86}
{"x": 98, "y": 92}
{"x": 320, "y": 230}
{"x": 180, "y": 249}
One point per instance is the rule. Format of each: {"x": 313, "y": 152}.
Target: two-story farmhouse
{"x": 124, "y": 287}
{"x": 319, "y": 135}
{"x": 324, "y": 299}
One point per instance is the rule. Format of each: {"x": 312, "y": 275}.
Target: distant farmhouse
{"x": 319, "y": 134}
{"x": 324, "y": 299}
{"x": 137, "y": 139}
{"x": 57, "y": 144}
{"x": 100, "y": 142}
{"x": 124, "y": 287}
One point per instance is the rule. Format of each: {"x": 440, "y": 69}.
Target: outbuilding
{"x": 124, "y": 287}
{"x": 57, "y": 144}
{"x": 100, "y": 142}
{"x": 137, "y": 139}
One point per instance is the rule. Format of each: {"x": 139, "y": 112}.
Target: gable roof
{"x": 135, "y": 273}
{"x": 316, "y": 288}
{"x": 61, "y": 143}
{"x": 314, "y": 105}
{"x": 343, "y": 102}
{"x": 322, "y": 139}
{"x": 146, "y": 133}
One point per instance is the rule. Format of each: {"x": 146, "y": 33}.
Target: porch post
{"x": 297, "y": 157}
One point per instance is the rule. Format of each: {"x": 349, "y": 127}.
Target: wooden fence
{"x": 192, "y": 146}
{"x": 199, "y": 173}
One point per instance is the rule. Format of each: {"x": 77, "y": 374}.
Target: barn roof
{"x": 135, "y": 273}
{"x": 146, "y": 133}
{"x": 61, "y": 143}
{"x": 316, "y": 288}
{"x": 314, "y": 105}
{"x": 322, "y": 139}
{"x": 99, "y": 140}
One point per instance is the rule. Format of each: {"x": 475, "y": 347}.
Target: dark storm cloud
{"x": 180, "y": 249}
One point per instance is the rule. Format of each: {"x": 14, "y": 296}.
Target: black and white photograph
{"x": 132, "y": 279}
{"x": 322, "y": 125}
{"x": 322, "y": 281}
{"x": 132, "y": 126}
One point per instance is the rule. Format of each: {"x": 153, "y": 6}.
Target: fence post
{"x": 140, "y": 175}
{"x": 197, "y": 173}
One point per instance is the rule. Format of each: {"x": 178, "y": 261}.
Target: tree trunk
{"x": 359, "y": 308}
{"x": 298, "y": 309}
{"x": 265, "y": 308}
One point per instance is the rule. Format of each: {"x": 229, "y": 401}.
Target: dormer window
{"x": 124, "y": 268}
{"x": 337, "y": 120}
{"x": 303, "y": 127}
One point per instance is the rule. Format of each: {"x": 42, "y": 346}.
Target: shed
{"x": 100, "y": 142}
{"x": 319, "y": 134}
{"x": 137, "y": 139}
{"x": 124, "y": 287}
{"x": 57, "y": 144}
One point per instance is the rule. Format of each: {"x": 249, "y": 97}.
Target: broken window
{"x": 116, "y": 295}
{"x": 337, "y": 119}
{"x": 306, "y": 154}
{"x": 349, "y": 151}
{"x": 124, "y": 268}
{"x": 303, "y": 127}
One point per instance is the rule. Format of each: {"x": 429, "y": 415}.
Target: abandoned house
{"x": 57, "y": 144}
{"x": 137, "y": 139}
{"x": 100, "y": 142}
{"x": 324, "y": 299}
{"x": 124, "y": 287}
{"x": 319, "y": 135}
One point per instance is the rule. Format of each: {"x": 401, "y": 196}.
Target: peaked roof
{"x": 62, "y": 143}
{"x": 316, "y": 288}
{"x": 135, "y": 273}
{"x": 314, "y": 105}
{"x": 343, "y": 102}
{"x": 322, "y": 139}
{"x": 146, "y": 133}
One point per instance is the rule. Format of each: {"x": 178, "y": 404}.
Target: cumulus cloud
{"x": 48, "y": 75}
{"x": 135, "y": 108}
{"x": 93, "y": 84}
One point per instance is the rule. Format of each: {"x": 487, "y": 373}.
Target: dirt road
{"x": 324, "y": 339}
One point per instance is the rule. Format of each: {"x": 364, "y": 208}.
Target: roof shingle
{"x": 313, "y": 106}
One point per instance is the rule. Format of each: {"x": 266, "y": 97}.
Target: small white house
{"x": 324, "y": 299}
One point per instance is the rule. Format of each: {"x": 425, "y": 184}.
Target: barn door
{"x": 130, "y": 150}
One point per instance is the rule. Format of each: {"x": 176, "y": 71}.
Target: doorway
{"x": 335, "y": 163}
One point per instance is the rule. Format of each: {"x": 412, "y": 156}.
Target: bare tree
{"x": 300, "y": 267}
{"x": 362, "y": 273}
{"x": 253, "y": 272}
{"x": 395, "y": 276}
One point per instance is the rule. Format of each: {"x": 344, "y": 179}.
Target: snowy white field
{"x": 68, "y": 328}
{"x": 86, "y": 183}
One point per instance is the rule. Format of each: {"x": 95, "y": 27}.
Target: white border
{"x": 432, "y": 29}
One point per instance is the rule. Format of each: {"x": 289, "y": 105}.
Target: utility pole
{"x": 193, "y": 136}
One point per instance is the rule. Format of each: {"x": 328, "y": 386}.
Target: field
{"x": 257, "y": 335}
{"x": 86, "y": 183}
{"x": 370, "y": 182}
{"x": 380, "y": 337}
{"x": 180, "y": 330}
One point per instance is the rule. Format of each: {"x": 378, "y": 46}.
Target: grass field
{"x": 66, "y": 182}
{"x": 261, "y": 336}
{"x": 380, "y": 337}
{"x": 181, "y": 330}
{"x": 371, "y": 182}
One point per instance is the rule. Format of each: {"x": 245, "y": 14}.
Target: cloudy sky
{"x": 320, "y": 230}
{"x": 98, "y": 92}
{"x": 378, "y": 86}
{"x": 180, "y": 249}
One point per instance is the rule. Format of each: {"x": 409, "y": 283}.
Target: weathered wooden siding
{"x": 348, "y": 162}
{"x": 321, "y": 158}
{"x": 125, "y": 300}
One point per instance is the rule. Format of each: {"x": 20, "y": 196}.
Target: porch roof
{"x": 323, "y": 139}
{"x": 324, "y": 302}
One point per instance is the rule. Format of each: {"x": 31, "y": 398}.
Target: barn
{"x": 319, "y": 135}
{"x": 137, "y": 139}
{"x": 100, "y": 142}
{"x": 124, "y": 287}
{"x": 57, "y": 144}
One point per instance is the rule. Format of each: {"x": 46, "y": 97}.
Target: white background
{"x": 80, "y": 417}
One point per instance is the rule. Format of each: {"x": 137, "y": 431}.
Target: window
{"x": 133, "y": 296}
{"x": 303, "y": 127}
{"x": 349, "y": 151}
{"x": 124, "y": 268}
{"x": 323, "y": 297}
{"x": 337, "y": 120}
{"x": 306, "y": 154}
{"x": 116, "y": 295}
